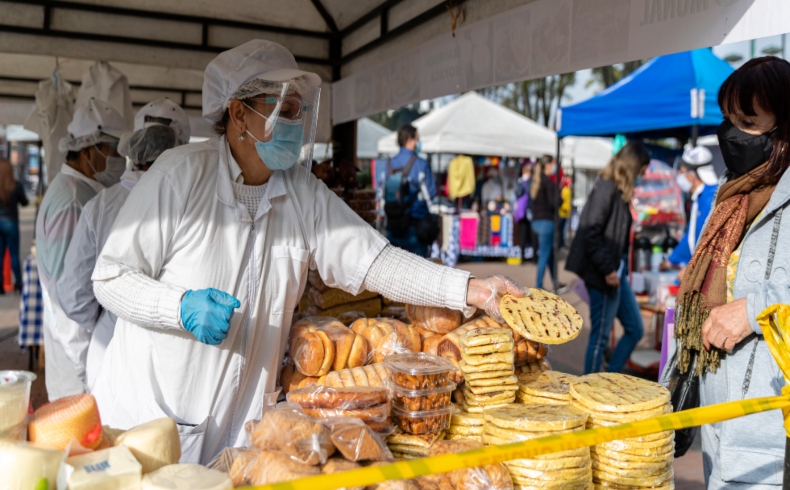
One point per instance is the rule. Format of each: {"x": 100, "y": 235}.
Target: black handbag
{"x": 684, "y": 394}
{"x": 684, "y": 387}
{"x": 428, "y": 228}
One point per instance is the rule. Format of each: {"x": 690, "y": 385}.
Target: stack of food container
{"x": 14, "y": 401}
{"x": 421, "y": 390}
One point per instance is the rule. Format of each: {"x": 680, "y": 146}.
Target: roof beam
{"x": 376, "y": 12}
{"x": 330, "y": 21}
{"x": 388, "y": 35}
{"x": 86, "y": 7}
{"x": 84, "y": 36}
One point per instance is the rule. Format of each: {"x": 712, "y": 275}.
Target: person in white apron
{"x": 158, "y": 126}
{"x": 210, "y": 253}
{"x": 92, "y": 163}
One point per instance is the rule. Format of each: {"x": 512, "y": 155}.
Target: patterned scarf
{"x": 704, "y": 284}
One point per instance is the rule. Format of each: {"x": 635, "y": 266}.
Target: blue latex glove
{"x": 206, "y": 313}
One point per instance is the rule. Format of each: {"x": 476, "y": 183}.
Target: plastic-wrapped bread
{"x": 334, "y": 297}
{"x": 370, "y": 375}
{"x": 387, "y": 336}
{"x": 431, "y": 344}
{"x": 291, "y": 379}
{"x": 351, "y": 349}
{"x": 312, "y": 351}
{"x": 314, "y": 278}
{"x": 438, "y": 320}
{"x": 289, "y": 431}
{"x": 369, "y": 307}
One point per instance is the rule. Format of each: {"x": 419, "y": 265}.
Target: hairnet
{"x": 164, "y": 111}
{"x": 144, "y": 146}
{"x": 255, "y": 60}
{"x": 94, "y": 122}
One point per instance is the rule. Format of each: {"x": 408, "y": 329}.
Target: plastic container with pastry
{"x": 351, "y": 398}
{"x": 416, "y": 400}
{"x": 422, "y": 421}
{"x": 378, "y": 413}
{"x": 419, "y": 371}
{"x": 14, "y": 399}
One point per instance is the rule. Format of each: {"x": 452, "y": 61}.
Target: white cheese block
{"x": 155, "y": 444}
{"x": 186, "y": 477}
{"x": 113, "y": 468}
{"x": 23, "y": 466}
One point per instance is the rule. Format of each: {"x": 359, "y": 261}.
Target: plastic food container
{"x": 14, "y": 398}
{"x": 422, "y": 421}
{"x": 416, "y": 400}
{"x": 419, "y": 371}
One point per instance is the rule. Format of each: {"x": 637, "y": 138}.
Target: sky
{"x": 579, "y": 92}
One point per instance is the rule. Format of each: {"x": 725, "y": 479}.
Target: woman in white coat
{"x": 209, "y": 256}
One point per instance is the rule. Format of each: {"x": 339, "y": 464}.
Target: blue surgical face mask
{"x": 283, "y": 150}
{"x": 418, "y": 148}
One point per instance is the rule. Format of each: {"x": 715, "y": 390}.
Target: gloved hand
{"x": 206, "y": 313}
{"x": 486, "y": 294}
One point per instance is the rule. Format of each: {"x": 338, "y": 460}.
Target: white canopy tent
{"x": 585, "y": 153}
{"x": 474, "y": 125}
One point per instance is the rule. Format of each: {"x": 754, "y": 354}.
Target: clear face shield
{"x": 290, "y": 116}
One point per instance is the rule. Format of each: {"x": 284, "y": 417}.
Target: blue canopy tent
{"x": 666, "y": 97}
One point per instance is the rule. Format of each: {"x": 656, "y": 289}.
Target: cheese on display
{"x": 113, "y": 468}
{"x": 186, "y": 477}
{"x": 72, "y": 418}
{"x": 155, "y": 444}
{"x": 23, "y": 466}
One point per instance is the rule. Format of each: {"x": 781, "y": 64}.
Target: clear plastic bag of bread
{"x": 438, "y": 320}
{"x": 291, "y": 379}
{"x": 500, "y": 286}
{"x": 387, "y": 336}
{"x": 270, "y": 467}
{"x": 491, "y": 477}
{"x": 356, "y": 441}
{"x": 288, "y": 430}
{"x": 368, "y": 404}
{"x": 318, "y": 345}
{"x": 234, "y": 461}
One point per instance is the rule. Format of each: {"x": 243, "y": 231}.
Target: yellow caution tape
{"x": 534, "y": 447}
{"x": 775, "y": 322}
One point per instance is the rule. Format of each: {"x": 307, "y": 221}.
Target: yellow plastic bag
{"x": 775, "y": 322}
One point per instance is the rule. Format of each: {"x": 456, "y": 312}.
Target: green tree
{"x": 403, "y": 115}
{"x": 606, "y": 76}
{"x": 537, "y": 99}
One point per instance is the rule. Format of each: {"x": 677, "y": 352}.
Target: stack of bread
{"x": 412, "y": 446}
{"x": 546, "y": 387}
{"x": 534, "y": 367}
{"x": 524, "y": 351}
{"x": 612, "y": 399}
{"x": 487, "y": 365}
{"x": 512, "y": 423}
{"x": 387, "y": 336}
{"x": 321, "y": 300}
{"x": 433, "y": 324}
{"x": 490, "y": 477}
{"x": 466, "y": 426}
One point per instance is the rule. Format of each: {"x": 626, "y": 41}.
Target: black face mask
{"x": 743, "y": 152}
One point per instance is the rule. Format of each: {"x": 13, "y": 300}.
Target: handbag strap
{"x": 771, "y": 253}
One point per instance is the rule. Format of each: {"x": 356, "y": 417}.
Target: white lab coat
{"x": 75, "y": 287}
{"x": 57, "y": 219}
{"x": 182, "y": 226}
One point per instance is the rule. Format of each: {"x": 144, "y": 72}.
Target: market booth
{"x": 378, "y": 55}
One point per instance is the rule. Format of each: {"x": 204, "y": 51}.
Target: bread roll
{"x": 431, "y": 344}
{"x": 291, "y": 432}
{"x": 439, "y": 320}
{"x": 312, "y": 351}
{"x": 375, "y": 375}
{"x": 270, "y": 467}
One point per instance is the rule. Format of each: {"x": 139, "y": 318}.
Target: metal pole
{"x": 556, "y": 245}
{"x": 694, "y": 134}
{"x": 784, "y": 45}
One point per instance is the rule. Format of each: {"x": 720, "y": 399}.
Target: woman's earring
{"x": 241, "y": 137}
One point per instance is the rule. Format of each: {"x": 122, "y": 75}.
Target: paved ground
{"x": 567, "y": 358}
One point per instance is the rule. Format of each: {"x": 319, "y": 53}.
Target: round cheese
{"x": 155, "y": 444}
{"x": 186, "y": 477}
{"x": 72, "y": 418}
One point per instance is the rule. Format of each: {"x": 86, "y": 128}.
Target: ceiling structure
{"x": 163, "y": 46}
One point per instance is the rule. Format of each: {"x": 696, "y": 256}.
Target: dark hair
{"x": 220, "y": 126}
{"x": 764, "y": 81}
{"x": 72, "y": 156}
{"x": 405, "y": 133}
{"x": 545, "y": 160}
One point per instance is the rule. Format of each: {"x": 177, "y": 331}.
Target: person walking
{"x": 522, "y": 213}
{"x": 12, "y": 195}
{"x": 545, "y": 206}
{"x": 599, "y": 254}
